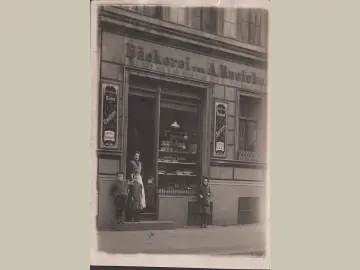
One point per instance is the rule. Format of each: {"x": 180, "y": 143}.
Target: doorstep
{"x": 152, "y": 225}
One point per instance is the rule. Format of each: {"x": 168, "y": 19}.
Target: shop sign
{"x": 220, "y": 127}
{"x": 191, "y": 65}
{"x": 109, "y": 115}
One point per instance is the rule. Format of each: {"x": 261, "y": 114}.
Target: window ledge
{"x": 112, "y": 154}
{"x": 248, "y": 156}
{"x": 237, "y": 163}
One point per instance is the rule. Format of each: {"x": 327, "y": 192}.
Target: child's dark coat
{"x": 204, "y": 203}
{"x": 119, "y": 192}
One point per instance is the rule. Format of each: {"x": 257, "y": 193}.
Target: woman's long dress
{"x": 136, "y": 167}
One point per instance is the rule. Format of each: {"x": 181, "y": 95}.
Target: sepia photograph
{"x": 180, "y": 112}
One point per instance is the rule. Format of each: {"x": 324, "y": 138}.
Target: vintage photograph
{"x": 181, "y": 129}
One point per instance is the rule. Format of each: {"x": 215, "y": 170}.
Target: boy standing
{"x": 119, "y": 192}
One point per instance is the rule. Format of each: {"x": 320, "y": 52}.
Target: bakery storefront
{"x": 188, "y": 114}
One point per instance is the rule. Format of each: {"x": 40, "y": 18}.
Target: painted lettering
{"x": 173, "y": 62}
{"x": 130, "y": 50}
{"x": 187, "y": 63}
{"x": 140, "y": 54}
{"x": 243, "y": 76}
{"x": 211, "y": 69}
{"x": 149, "y": 57}
{"x": 157, "y": 59}
{"x": 231, "y": 75}
{"x": 111, "y": 116}
{"x": 223, "y": 71}
{"x": 248, "y": 78}
{"x": 110, "y": 98}
{"x": 166, "y": 61}
{"x": 254, "y": 79}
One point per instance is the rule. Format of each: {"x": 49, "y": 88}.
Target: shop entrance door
{"x": 163, "y": 124}
{"x": 141, "y": 134}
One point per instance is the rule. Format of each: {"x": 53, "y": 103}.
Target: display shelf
{"x": 174, "y": 132}
{"x": 177, "y": 152}
{"x": 177, "y": 162}
{"x": 169, "y": 174}
{"x": 176, "y": 192}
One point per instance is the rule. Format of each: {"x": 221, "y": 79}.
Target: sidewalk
{"x": 232, "y": 240}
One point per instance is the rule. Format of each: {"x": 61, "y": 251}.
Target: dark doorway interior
{"x": 141, "y": 136}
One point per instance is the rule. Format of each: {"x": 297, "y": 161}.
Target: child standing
{"x": 119, "y": 192}
{"x": 135, "y": 190}
{"x": 204, "y": 203}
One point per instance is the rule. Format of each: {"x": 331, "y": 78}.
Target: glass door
{"x": 142, "y": 134}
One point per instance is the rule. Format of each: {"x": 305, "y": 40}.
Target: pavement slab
{"x": 214, "y": 240}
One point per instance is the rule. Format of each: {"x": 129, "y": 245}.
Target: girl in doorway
{"x": 204, "y": 202}
{"x": 134, "y": 197}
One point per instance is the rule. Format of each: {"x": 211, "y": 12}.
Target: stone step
{"x": 146, "y": 226}
{"x": 147, "y": 216}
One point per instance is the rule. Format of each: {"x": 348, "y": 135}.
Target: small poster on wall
{"x": 220, "y": 127}
{"x": 109, "y": 116}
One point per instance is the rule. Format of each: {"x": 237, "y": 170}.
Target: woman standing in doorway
{"x": 135, "y": 166}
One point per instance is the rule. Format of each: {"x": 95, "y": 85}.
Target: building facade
{"x": 187, "y": 88}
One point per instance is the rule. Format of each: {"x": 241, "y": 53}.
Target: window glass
{"x": 248, "y": 127}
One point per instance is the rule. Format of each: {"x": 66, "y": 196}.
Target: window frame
{"x": 255, "y": 27}
{"x": 143, "y": 10}
{"x": 201, "y": 18}
{"x": 260, "y": 125}
{"x": 213, "y": 11}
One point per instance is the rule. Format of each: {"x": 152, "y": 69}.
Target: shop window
{"x": 178, "y": 145}
{"x": 248, "y": 128}
{"x": 204, "y": 19}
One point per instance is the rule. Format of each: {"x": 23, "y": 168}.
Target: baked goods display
{"x": 177, "y": 163}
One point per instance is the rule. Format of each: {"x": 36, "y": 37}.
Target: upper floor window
{"x": 204, "y": 18}
{"x": 246, "y": 25}
{"x": 151, "y": 11}
{"x": 252, "y": 26}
